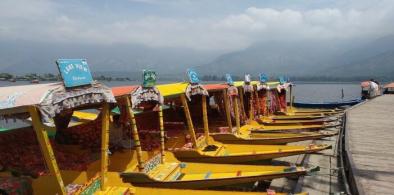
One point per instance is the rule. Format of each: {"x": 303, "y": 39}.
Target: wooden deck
{"x": 370, "y": 134}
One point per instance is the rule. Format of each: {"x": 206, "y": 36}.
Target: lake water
{"x": 305, "y": 92}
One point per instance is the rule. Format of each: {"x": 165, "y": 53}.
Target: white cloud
{"x": 43, "y": 20}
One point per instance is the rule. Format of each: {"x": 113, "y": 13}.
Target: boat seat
{"x": 166, "y": 171}
{"x": 220, "y": 151}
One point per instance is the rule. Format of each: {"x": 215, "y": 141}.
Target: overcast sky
{"x": 201, "y": 24}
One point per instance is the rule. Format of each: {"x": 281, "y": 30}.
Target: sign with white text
{"x": 75, "y": 72}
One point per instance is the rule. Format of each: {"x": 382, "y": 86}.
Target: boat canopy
{"x": 123, "y": 90}
{"x": 173, "y": 89}
{"x": 166, "y": 90}
{"x": 216, "y": 87}
{"x": 271, "y": 83}
{"x": 390, "y": 85}
{"x": 51, "y": 98}
{"x": 365, "y": 84}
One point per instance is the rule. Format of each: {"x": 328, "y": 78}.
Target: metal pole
{"x": 46, "y": 149}
{"x": 189, "y": 120}
{"x": 343, "y": 95}
{"x": 134, "y": 132}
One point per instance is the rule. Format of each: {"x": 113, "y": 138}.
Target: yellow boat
{"x": 268, "y": 121}
{"x": 229, "y": 153}
{"x": 180, "y": 175}
{"x": 56, "y": 180}
{"x": 205, "y": 149}
{"x": 269, "y": 138}
{"x": 162, "y": 169}
{"x": 219, "y": 92}
{"x": 46, "y": 177}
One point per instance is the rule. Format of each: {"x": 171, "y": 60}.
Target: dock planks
{"x": 370, "y": 134}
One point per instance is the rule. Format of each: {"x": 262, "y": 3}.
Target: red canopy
{"x": 123, "y": 90}
{"x": 215, "y": 87}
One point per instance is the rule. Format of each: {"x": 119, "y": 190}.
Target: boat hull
{"x": 196, "y": 156}
{"x": 327, "y": 104}
{"x": 234, "y": 139}
{"x": 140, "y": 179}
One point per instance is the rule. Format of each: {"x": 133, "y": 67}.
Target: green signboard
{"x": 149, "y": 78}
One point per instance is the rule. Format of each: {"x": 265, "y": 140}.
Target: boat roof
{"x": 390, "y": 85}
{"x": 123, "y": 90}
{"x": 175, "y": 89}
{"x": 166, "y": 90}
{"x": 216, "y": 87}
{"x": 365, "y": 84}
{"x": 270, "y": 83}
{"x": 172, "y": 89}
{"x": 51, "y": 98}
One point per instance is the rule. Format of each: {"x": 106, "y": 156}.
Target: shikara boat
{"x": 52, "y": 175}
{"x": 260, "y": 117}
{"x": 336, "y": 104}
{"x": 229, "y": 153}
{"x": 219, "y": 92}
{"x": 269, "y": 121}
{"x": 61, "y": 176}
{"x": 206, "y": 149}
{"x": 160, "y": 168}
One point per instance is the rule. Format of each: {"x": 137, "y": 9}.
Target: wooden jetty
{"x": 370, "y": 146}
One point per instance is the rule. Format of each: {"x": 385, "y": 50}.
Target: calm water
{"x": 323, "y": 92}
{"x": 306, "y": 92}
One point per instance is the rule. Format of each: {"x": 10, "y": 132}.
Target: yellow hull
{"x": 46, "y": 185}
{"x": 116, "y": 184}
{"x": 218, "y": 180}
{"x": 268, "y": 138}
{"x": 295, "y": 117}
{"x": 159, "y": 191}
{"x": 123, "y": 172}
{"x": 241, "y": 153}
{"x": 254, "y": 127}
{"x": 267, "y": 121}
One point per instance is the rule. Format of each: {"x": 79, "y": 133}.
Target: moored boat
{"x": 226, "y": 103}
{"x": 151, "y": 165}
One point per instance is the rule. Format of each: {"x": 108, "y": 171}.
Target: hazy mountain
{"x": 347, "y": 59}
{"x": 27, "y": 57}
{"x": 354, "y": 58}
{"x": 374, "y": 59}
{"x": 273, "y": 58}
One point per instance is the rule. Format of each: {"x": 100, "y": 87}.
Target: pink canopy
{"x": 51, "y": 98}
{"x": 390, "y": 85}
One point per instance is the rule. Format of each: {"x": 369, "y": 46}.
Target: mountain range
{"x": 347, "y": 59}
{"x": 356, "y": 58}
